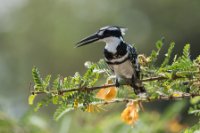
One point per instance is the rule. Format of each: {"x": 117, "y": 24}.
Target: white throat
{"x": 112, "y": 43}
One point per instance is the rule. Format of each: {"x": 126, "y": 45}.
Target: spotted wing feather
{"x": 134, "y": 59}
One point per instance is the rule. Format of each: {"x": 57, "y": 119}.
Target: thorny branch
{"x": 60, "y": 92}
{"x": 147, "y": 99}
{"x": 143, "y": 99}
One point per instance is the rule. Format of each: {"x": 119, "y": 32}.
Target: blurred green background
{"x": 43, "y": 33}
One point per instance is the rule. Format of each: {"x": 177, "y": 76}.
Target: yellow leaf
{"x": 90, "y": 108}
{"x": 143, "y": 60}
{"x": 177, "y": 94}
{"x": 75, "y": 104}
{"x": 31, "y": 99}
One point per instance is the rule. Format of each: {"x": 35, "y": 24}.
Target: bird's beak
{"x": 88, "y": 40}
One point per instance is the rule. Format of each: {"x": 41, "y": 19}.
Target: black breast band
{"x": 117, "y": 62}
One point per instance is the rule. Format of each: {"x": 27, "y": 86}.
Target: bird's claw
{"x": 117, "y": 83}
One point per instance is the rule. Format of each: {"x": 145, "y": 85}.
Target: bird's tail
{"x": 138, "y": 87}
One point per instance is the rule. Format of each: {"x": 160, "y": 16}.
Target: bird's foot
{"x": 117, "y": 84}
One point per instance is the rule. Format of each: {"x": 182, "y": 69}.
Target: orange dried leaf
{"x": 111, "y": 94}
{"x": 94, "y": 108}
{"x": 107, "y": 93}
{"x": 130, "y": 113}
{"x": 101, "y": 94}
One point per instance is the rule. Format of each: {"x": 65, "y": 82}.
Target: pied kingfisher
{"x": 120, "y": 56}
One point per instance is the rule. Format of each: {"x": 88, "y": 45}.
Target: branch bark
{"x": 148, "y": 99}
{"x": 60, "y": 92}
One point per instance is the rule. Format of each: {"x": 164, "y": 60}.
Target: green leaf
{"x": 47, "y": 80}
{"x": 168, "y": 55}
{"x": 37, "y": 79}
{"x": 183, "y": 63}
{"x": 31, "y": 99}
{"x": 39, "y": 105}
{"x": 102, "y": 67}
{"x": 60, "y": 111}
{"x": 55, "y": 99}
{"x": 57, "y": 84}
{"x": 77, "y": 80}
{"x": 193, "y": 129}
{"x": 91, "y": 76}
{"x": 154, "y": 54}
{"x": 43, "y": 102}
{"x": 198, "y": 59}
{"x": 186, "y": 51}
{"x": 195, "y": 109}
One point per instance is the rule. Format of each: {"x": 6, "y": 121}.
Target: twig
{"x": 148, "y": 99}
{"x": 60, "y": 92}
{"x": 143, "y": 99}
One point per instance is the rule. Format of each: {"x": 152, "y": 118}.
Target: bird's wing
{"x": 134, "y": 59}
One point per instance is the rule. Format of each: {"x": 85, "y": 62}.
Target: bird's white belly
{"x": 124, "y": 70}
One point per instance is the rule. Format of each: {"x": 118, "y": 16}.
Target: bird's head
{"x": 105, "y": 34}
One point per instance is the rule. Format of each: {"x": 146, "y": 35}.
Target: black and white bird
{"x": 121, "y": 57}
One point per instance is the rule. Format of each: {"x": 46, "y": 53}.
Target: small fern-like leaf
{"x": 46, "y": 81}
{"x": 186, "y": 51}
{"x": 37, "y": 79}
{"x": 154, "y": 54}
{"x": 60, "y": 111}
{"x": 168, "y": 55}
{"x": 56, "y": 83}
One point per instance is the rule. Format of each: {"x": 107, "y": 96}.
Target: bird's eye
{"x": 106, "y": 33}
